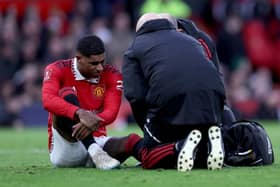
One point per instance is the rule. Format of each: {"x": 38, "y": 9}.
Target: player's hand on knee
{"x": 89, "y": 119}
{"x": 81, "y": 131}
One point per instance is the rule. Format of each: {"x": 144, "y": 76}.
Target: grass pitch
{"x": 24, "y": 162}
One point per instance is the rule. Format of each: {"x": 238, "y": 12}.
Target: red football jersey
{"x": 100, "y": 94}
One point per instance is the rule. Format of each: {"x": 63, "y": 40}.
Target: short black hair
{"x": 90, "y": 45}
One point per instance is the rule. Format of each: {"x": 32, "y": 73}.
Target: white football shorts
{"x": 71, "y": 154}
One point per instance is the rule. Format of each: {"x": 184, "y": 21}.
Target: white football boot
{"x": 101, "y": 159}
{"x": 185, "y": 161}
{"x": 216, "y": 155}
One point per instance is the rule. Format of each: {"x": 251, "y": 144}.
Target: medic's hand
{"x": 89, "y": 119}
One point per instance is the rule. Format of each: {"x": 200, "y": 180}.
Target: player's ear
{"x": 78, "y": 57}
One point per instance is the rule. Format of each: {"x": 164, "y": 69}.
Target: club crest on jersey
{"x": 98, "y": 91}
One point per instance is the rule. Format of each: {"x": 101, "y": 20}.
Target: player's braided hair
{"x": 90, "y": 45}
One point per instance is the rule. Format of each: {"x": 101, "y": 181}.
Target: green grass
{"x": 24, "y": 161}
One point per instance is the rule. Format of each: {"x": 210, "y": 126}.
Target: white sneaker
{"x": 216, "y": 156}
{"x": 101, "y": 159}
{"x": 186, "y": 156}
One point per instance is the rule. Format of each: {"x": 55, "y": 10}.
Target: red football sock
{"x": 160, "y": 156}
{"x": 133, "y": 139}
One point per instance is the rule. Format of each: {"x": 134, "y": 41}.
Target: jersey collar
{"x": 78, "y": 76}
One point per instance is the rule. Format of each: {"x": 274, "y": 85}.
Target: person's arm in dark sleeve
{"x": 135, "y": 87}
{"x": 212, "y": 48}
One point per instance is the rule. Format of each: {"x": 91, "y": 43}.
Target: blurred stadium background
{"x": 33, "y": 33}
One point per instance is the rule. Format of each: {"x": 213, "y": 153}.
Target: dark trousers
{"x": 156, "y": 134}
{"x": 161, "y": 145}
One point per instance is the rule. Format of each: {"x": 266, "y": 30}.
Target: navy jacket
{"x": 168, "y": 78}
